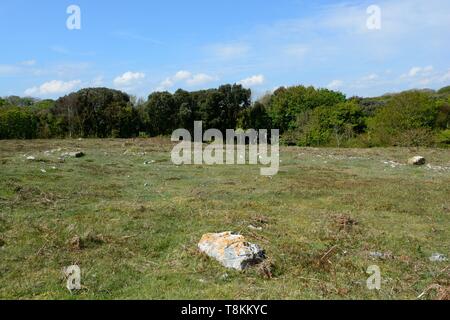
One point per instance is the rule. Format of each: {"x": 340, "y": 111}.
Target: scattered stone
{"x": 417, "y": 161}
{"x": 43, "y": 171}
{"x": 252, "y": 227}
{"x": 437, "y": 168}
{"x": 438, "y": 257}
{"x": 73, "y": 275}
{"x": 393, "y": 164}
{"x": 381, "y": 255}
{"x": 149, "y": 162}
{"x": 31, "y": 158}
{"x": 224, "y": 277}
{"x": 231, "y": 250}
{"x": 77, "y": 154}
{"x": 48, "y": 152}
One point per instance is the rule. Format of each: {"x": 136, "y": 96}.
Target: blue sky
{"x": 141, "y": 46}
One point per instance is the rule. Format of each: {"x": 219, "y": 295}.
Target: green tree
{"x": 17, "y": 123}
{"x": 162, "y": 112}
{"x": 406, "y": 120}
{"x": 91, "y": 112}
{"x": 287, "y": 104}
{"x": 330, "y": 125}
{"x": 255, "y": 117}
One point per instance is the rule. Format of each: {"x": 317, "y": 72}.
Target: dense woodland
{"x": 306, "y": 116}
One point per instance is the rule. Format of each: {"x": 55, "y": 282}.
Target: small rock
{"x": 231, "y": 250}
{"x": 381, "y": 255}
{"x": 224, "y": 277}
{"x": 438, "y": 257}
{"x": 73, "y": 275}
{"x": 417, "y": 161}
{"x": 43, "y": 171}
{"x": 31, "y": 158}
{"x": 252, "y": 227}
{"x": 77, "y": 154}
{"x": 149, "y": 162}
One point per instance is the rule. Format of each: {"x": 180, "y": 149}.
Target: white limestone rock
{"x": 417, "y": 161}
{"x": 231, "y": 250}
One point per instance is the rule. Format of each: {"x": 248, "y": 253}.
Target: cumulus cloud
{"x": 52, "y": 87}
{"x": 128, "y": 78}
{"x": 335, "y": 84}
{"x": 252, "y": 81}
{"x": 182, "y": 75}
{"x": 415, "y": 71}
{"x": 186, "y": 78}
{"x": 199, "y": 79}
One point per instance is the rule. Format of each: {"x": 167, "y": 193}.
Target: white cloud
{"x": 52, "y": 87}
{"x": 128, "y": 78}
{"x": 415, "y": 71}
{"x": 186, "y": 78}
{"x": 252, "y": 81}
{"x": 199, "y": 79}
{"x": 335, "y": 84}
{"x": 182, "y": 75}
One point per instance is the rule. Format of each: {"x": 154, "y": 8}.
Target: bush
{"x": 287, "y": 104}
{"x": 444, "y": 137}
{"x": 329, "y": 125}
{"x": 403, "y": 119}
{"x": 419, "y": 137}
{"x": 17, "y": 123}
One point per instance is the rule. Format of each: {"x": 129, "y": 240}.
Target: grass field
{"x": 132, "y": 220}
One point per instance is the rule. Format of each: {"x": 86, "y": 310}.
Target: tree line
{"x": 305, "y": 116}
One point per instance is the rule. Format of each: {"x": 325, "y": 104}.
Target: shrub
{"x": 402, "y": 118}
{"x": 329, "y": 125}
{"x": 444, "y": 137}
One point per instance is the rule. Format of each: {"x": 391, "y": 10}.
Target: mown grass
{"x": 139, "y": 223}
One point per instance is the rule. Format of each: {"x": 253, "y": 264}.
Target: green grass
{"x": 146, "y": 220}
